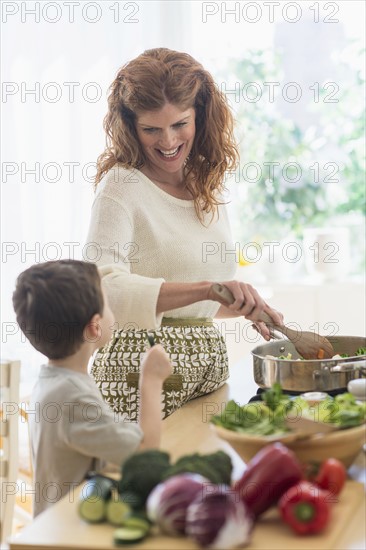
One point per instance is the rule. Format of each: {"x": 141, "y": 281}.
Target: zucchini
{"x": 117, "y": 511}
{"x": 128, "y": 535}
{"x": 137, "y": 522}
{"x": 134, "y": 500}
{"x": 93, "y": 498}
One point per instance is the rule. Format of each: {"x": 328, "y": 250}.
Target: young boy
{"x": 63, "y": 310}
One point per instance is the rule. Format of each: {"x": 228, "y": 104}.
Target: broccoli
{"x": 216, "y": 467}
{"x": 144, "y": 470}
{"x": 140, "y": 474}
{"x": 221, "y": 462}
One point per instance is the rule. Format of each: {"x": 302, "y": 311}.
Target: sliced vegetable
{"x": 128, "y": 535}
{"x": 360, "y": 351}
{"x": 167, "y": 504}
{"x": 134, "y": 500}
{"x": 331, "y": 476}
{"x": 216, "y": 467}
{"x": 350, "y": 411}
{"x": 93, "y": 498}
{"x": 260, "y": 418}
{"x": 137, "y": 522}
{"x": 219, "y": 519}
{"x": 305, "y": 508}
{"x": 268, "y": 417}
{"x": 117, "y": 511}
{"x": 274, "y": 396}
{"x": 268, "y": 475}
{"x": 343, "y": 410}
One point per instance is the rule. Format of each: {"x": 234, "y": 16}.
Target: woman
{"x": 161, "y": 228}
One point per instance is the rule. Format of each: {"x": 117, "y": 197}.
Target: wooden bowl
{"x": 344, "y": 445}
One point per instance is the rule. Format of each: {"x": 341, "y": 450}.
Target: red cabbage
{"x": 168, "y": 502}
{"x": 219, "y": 519}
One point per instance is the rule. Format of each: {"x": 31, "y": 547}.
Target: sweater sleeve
{"x": 133, "y": 298}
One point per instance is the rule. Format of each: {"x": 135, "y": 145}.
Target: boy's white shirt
{"x": 73, "y": 431}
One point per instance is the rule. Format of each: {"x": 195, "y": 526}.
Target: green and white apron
{"x": 198, "y": 354}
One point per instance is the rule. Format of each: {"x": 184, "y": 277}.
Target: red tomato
{"x": 331, "y": 476}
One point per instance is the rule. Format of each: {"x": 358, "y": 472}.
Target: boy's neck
{"x": 77, "y": 362}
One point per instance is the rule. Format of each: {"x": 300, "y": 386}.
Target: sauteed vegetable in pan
{"x": 272, "y": 363}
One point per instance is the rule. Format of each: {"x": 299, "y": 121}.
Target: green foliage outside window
{"x": 330, "y": 153}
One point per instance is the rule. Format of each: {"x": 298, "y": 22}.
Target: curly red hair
{"x": 147, "y": 83}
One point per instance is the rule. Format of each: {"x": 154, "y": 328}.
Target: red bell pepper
{"x": 331, "y": 476}
{"x": 305, "y": 508}
{"x": 268, "y": 475}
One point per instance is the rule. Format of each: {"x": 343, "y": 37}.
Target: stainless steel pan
{"x": 310, "y": 375}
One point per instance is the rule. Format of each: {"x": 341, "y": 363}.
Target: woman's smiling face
{"x": 166, "y": 137}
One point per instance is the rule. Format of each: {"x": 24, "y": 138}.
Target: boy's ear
{"x": 93, "y": 330}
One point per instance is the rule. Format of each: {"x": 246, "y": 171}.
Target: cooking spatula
{"x": 308, "y": 344}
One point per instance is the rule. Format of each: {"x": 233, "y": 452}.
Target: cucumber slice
{"x": 137, "y": 522}
{"x": 127, "y": 535}
{"x": 93, "y": 498}
{"x": 92, "y": 511}
{"x": 132, "y": 499}
{"x": 117, "y": 512}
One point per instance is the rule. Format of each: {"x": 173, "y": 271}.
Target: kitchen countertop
{"x": 187, "y": 431}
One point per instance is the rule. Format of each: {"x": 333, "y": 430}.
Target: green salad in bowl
{"x": 268, "y": 416}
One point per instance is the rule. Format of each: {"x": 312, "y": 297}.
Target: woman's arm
{"x": 248, "y": 303}
{"x": 138, "y": 296}
{"x": 175, "y": 295}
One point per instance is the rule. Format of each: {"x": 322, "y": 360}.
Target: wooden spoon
{"x": 310, "y": 345}
{"x": 308, "y": 425}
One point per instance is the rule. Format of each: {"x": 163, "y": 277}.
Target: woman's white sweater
{"x": 142, "y": 236}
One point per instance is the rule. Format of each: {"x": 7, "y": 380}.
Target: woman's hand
{"x": 249, "y": 304}
{"x": 262, "y": 328}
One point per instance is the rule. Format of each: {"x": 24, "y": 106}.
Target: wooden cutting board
{"x": 270, "y": 533}
{"x": 61, "y": 528}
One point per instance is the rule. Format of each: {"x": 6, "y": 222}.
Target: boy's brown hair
{"x": 54, "y": 301}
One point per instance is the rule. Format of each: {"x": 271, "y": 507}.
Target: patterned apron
{"x": 198, "y": 354}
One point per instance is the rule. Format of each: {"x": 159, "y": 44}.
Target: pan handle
{"x": 349, "y": 367}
